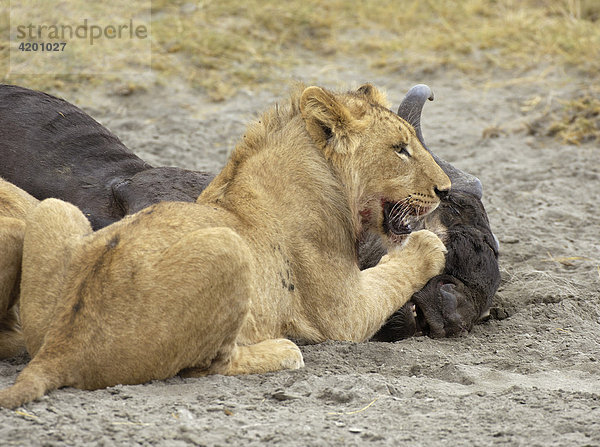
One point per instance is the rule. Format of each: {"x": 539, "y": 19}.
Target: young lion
{"x": 267, "y": 251}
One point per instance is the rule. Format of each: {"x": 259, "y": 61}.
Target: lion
{"x": 268, "y": 252}
{"x": 14, "y": 206}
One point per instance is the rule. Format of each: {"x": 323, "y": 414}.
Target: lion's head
{"x": 394, "y": 178}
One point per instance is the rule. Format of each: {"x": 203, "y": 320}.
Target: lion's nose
{"x": 441, "y": 193}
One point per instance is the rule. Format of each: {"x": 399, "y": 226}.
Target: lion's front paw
{"x": 428, "y": 250}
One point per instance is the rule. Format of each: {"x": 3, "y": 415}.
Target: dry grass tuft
{"x": 578, "y": 121}
{"x": 574, "y": 121}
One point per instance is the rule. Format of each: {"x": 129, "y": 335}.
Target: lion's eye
{"x": 400, "y": 149}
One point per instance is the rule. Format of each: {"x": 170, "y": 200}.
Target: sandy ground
{"x": 528, "y": 376}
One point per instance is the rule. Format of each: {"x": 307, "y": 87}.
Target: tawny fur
{"x": 14, "y": 206}
{"x": 268, "y": 251}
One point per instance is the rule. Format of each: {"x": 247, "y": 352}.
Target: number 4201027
{"x": 42, "y": 46}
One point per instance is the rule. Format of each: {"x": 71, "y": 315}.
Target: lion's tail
{"x": 33, "y": 382}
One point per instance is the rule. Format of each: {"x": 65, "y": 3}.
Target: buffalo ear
{"x": 373, "y": 95}
{"x": 329, "y": 123}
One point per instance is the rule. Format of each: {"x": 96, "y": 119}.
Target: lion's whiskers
{"x": 400, "y": 214}
{"x": 397, "y": 205}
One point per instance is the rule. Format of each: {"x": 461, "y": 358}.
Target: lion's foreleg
{"x": 386, "y": 287}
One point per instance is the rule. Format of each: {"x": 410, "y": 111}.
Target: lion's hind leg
{"x": 263, "y": 357}
{"x": 52, "y": 229}
{"x": 215, "y": 281}
{"x": 46, "y": 245}
{"x": 222, "y": 274}
{"x": 36, "y": 379}
{"x": 266, "y": 356}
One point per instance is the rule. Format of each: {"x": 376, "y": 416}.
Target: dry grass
{"x": 575, "y": 120}
{"x": 221, "y": 46}
{"x": 578, "y": 120}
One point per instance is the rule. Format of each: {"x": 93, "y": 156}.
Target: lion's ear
{"x": 328, "y": 122}
{"x": 373, "y": 95}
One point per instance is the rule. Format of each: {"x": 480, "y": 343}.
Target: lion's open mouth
{"x": 401, "y": 218}
{"x": 396, "y": 220}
